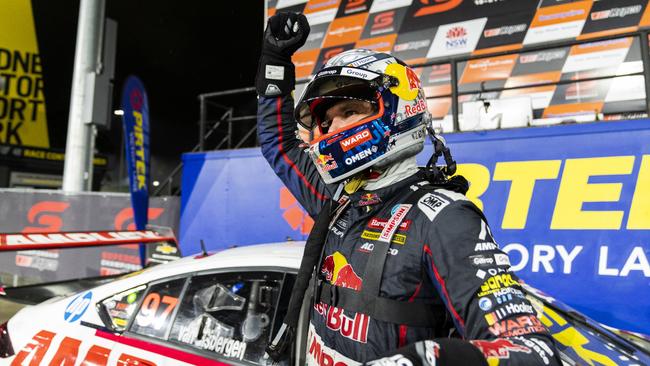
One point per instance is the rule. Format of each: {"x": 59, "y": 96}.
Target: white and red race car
{"x": 221, "y": 309}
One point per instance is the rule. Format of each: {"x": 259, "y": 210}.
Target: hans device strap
{"x": 310, "y": 259}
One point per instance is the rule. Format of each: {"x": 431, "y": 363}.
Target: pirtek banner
{"x": 136, "y": 130}
{"x": 26, "y": 212}
{"x": 570, "y": 204}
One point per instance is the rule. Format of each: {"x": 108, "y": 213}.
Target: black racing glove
{"x": 440, "y": 352}
{"x": 284, "y": 34}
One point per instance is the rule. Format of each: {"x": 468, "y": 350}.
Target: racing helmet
{"x": 394, "y": 130}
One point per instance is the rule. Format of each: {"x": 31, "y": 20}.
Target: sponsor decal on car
{"x": 80, "y": 237}
{"x": 77, "y": 307}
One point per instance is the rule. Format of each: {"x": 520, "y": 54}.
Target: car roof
{"x": 283, "y": 254}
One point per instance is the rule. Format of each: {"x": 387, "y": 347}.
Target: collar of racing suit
{"x": 395, "y": 173}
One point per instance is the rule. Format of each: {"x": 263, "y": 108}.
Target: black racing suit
{"x": 442, "y": 254}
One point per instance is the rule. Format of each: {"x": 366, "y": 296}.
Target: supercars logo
{"x": 439, "y": 6}
{"x": 383, "y": 23}
{"x": 45, "y": 215}
{"x": 355, "y": 6}
{"x": 340, "y": 273}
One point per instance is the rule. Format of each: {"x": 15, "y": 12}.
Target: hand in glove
{"x": 284, "y": 34}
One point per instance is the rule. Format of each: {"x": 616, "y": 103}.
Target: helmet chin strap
{"x": 440, "y": 173}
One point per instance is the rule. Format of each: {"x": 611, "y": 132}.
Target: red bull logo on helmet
{"x": 340, "y": 273}
{"x": 327, "y": 162}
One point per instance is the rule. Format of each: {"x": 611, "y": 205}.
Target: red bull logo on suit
{"x": 340, "y": 273}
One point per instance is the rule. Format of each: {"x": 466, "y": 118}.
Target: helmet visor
{"x": 325, "y": 92}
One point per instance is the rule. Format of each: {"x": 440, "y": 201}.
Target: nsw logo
{"x": 77, "y": 307}
{"x": 456, "y": 37}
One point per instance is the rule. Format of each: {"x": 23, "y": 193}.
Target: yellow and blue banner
{"x": 570, "y": 204}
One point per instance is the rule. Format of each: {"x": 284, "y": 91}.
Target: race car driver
{"x": 409, "y": 272}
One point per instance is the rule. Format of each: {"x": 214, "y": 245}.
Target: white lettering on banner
{"x": 542, "y": 258}
{"x": 20, "y": 239}
{"x": 543, "y": 255}
{"x": 636, "y": 261}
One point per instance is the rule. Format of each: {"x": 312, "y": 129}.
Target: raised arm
{"x": 276, "y": 126}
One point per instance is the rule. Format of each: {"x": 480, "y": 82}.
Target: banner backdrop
{"x": 570, "y": 204}
{"x": 37, "y": 211}
{"x": 136, "y": 136}
{"x": 23, "y": 120}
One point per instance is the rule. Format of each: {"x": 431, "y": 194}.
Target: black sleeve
{"x": 276, "y": 129}
{"x": 472, "y": 276}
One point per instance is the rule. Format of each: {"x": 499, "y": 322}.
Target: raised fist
{"x": 286, "y": 32}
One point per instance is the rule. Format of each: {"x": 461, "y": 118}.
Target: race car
{"x": 222, "y": 309}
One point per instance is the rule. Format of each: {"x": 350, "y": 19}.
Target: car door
{"x": 140, "y": 320}
{"x": 229, "y": 317}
